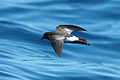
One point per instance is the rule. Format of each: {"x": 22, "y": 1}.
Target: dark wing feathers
{"x": 69, "y": 28}
{"x": 57, "y": 44}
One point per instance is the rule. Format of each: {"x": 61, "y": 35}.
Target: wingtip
{"x": 84, "y": 29}
{"x": 59, "y": 55}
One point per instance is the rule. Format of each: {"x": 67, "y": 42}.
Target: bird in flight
{"x": 63, "y": 35}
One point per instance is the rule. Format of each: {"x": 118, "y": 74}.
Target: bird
{"x": 63, "y": 35}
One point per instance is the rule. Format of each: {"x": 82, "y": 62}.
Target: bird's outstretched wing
{"x": 69, "y": 28}
{"x": 57, "y": 43}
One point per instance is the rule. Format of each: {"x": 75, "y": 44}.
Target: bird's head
{"x": 45, "y": 36}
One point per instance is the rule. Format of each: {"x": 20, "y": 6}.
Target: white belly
{"x": 73, "y": 38}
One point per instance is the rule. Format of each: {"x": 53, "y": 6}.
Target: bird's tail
{"x": 80, "y": 41}
{"x": 83, "y": 41}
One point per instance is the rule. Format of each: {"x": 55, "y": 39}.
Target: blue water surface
{"x": 24, "y": 56}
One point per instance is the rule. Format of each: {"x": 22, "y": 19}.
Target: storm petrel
{"x": 63, "y": 35}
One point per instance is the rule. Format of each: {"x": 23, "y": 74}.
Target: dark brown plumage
{"x": 61, "y": 35}
{"x": 69, "y": 28}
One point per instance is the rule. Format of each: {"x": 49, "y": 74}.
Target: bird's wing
{"x": 69, "y": 28}
{"x": 57, "y": 43}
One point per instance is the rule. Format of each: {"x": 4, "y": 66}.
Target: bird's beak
{"x": 42, "y": 38}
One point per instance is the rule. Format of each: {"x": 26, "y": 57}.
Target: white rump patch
{"x": 73, "y": 38}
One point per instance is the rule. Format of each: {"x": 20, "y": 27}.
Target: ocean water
{"x": 24, "y": 56}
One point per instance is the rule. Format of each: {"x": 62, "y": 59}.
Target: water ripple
{"x": 24, "y": 56}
